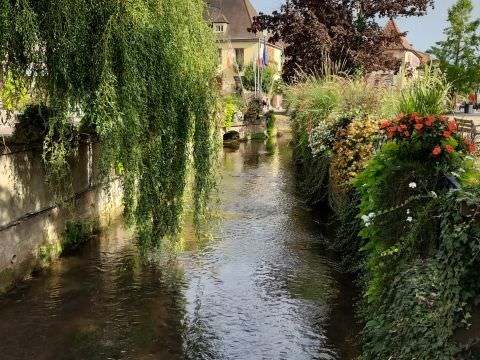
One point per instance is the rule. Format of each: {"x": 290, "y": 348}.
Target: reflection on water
{"x": 265, "y": 288}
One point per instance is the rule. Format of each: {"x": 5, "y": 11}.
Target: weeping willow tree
{"x": 143, "y": 74}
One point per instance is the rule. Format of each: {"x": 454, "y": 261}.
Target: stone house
{"x": 401, "y": 49}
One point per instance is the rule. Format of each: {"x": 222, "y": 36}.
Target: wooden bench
{"x": 468, "y": 129}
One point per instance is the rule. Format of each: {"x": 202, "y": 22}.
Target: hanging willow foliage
{"x": 143, "y": 73}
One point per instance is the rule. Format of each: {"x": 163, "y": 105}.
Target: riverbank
{"x": 404, "y": 189}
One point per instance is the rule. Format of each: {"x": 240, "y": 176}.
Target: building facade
{"x": 411, "y": 60}
{"x": 402, "y": 50}
{"x": 237, "y": 47}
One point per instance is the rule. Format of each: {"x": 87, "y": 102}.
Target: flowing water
{"x": 263, "y": 288}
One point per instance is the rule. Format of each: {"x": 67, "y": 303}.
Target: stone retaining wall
{"x": 30, "y": 218}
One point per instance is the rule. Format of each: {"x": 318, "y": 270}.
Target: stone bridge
{"x": 242, "y": 131}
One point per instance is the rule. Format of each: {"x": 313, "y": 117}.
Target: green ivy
{"x": 421, "y": 244}
{"x": 431, "y": 296}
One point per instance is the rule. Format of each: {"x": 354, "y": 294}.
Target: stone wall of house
{"x": 30, "y": 217}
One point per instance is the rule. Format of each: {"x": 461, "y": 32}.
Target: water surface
{"x": 263, "y": 288}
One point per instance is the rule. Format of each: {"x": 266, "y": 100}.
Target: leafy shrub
{"x": 32, "y": 125}
{"x": 355, "y": 145}
{"x": 229, "y": 114}
{"x": 47, "y": 253}
{"x": 233, "y": 104}
{"x": 14, "y": 94}
{"x": 267, "y": 76}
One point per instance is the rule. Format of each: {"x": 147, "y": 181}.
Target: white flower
{"x": 368, "y": 218}
{"x": 410, "y": 219}
{"x": 455, "y": 174}
{"x": 412, "y": 185}
{"x": 408, "y": 211}
{"x": 433, "y": 194}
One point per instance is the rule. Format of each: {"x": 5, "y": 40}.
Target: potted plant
{"x": 469, "y": 105}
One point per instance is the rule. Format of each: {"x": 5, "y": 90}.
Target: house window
{"x": 240, "y": 57}
{"x": 219, "y": 57}
{"x": 219, "y": 28}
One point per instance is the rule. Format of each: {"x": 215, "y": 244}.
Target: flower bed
{"x": 402, "y": 229}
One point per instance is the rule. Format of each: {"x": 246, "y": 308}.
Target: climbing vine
{"x": 142, "y": 73}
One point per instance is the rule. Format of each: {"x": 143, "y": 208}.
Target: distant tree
{"x": 344, "y": 30}
{"x": 459, "y": 54}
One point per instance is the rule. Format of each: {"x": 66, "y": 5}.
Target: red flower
{"x": 385, "y": 125}
{"x": 452, "y": 126}
{"x": 419, "y": 126}
{"x": 437, "y": 150}
{"x": 447, "y": 134}
{"x": 471, "y": 146}
{"x": 400, "y": 117}
{"x": 429, "y": 121}
{"x": 402, "y": 127}
{"x": 392, "y": 129}
{"x": 414, "y": 118}
{"x": 406, "y": 133}
{"x": 442, "y": 118}
{"x": 390, "y": 135}
{"x": 449, "y": 149}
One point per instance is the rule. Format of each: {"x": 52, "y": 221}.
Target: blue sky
{"x": 422, "y": 32}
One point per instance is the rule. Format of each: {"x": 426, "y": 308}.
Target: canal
{"x": 263, "y": 287}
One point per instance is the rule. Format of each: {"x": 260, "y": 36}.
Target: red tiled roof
{"x": 424, "y": 57}
{"x": 401, "y": 42}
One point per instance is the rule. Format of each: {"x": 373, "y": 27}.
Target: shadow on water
{"x": 266, "y": 288}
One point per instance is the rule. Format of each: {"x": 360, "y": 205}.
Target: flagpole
{"x": 259, "y": 73}
{"x": 255, "y": 74}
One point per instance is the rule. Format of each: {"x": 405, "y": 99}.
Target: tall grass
{"x": 426, "y": 95}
